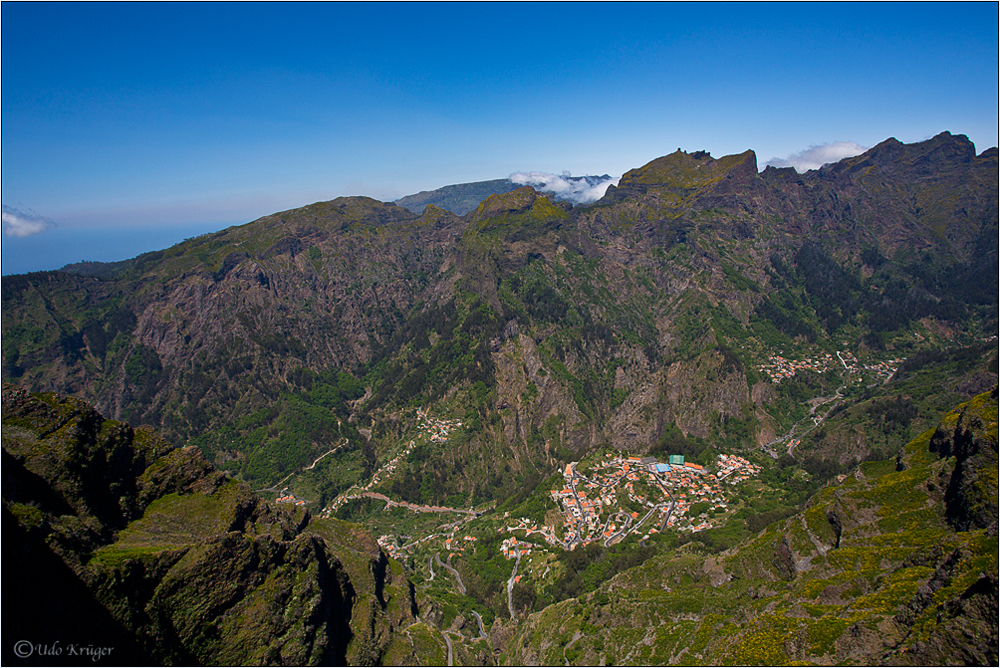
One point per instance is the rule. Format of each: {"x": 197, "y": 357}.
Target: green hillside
{"x": 884, "y": 566}
{"x": 440, "y": 380}
{"x": 125, "y": 542}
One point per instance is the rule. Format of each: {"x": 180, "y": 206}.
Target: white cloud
{"x": 816, "y": 156}
{"x": 576, "y": 189}
{"x": 20, "y": 224}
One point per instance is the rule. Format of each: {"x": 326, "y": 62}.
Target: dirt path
{"x": 316, "y": 461}
{"x": 816, "y": 421}
{"x": 276, "y": 487}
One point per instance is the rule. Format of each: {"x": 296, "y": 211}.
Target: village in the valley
{"x": 608, "y": 501}
{"x": 619, "y": 497}
{"x": 624, "y": 496}
{"x": 612, "y": 498}
{"x": 607, "y": 498}
{"x": 778, "y": 368}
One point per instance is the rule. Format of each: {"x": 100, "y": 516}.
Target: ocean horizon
{"x": 57, "y": 247}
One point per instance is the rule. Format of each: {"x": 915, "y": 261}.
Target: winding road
{"x": 412, "y": 506}
{"x": 817, "y": 421}
{"x": 447, "y": 641}
{"x": 276, "y": 488}
{"x": 479, "y": 620}
{"x": 510, "y": 587}
{"x": 673, "y": 504}
{"x": 458, "y": 578}
{"x": 316, "y": 461}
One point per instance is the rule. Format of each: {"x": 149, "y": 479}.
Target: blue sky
{"x": 141, "y": 124}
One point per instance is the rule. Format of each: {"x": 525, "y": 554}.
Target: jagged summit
{"x": 689, "y": 170}
{"x": 516, "y": 201}
{"x": 922, "y": 158}
{"x": 680, "y": 178}
{"x": 522, "y": 204}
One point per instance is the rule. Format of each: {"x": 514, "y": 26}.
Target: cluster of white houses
{"x": 778, "y": 368}
{"x": 512, "y": 547}
{"x": 389, "y": 545}
{"x": 734, "y": 469}
{"x": 290, "y": 498}
{"x": 437, "y": 430}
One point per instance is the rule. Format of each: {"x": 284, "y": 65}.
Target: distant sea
{"x": 57, "y": 247}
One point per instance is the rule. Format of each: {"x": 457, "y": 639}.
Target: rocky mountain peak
{"x": 524, "y": 206}
{"x": 499, "y": 204}
{"x": 926, "y": 157}
{"x": 690, "y": 170}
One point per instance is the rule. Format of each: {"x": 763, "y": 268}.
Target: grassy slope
{"x": 894, "y": 588}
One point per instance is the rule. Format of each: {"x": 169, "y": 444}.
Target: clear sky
{"x": 141, "y": 121}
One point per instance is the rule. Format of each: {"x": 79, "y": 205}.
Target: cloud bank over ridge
{"x": 576, "y": 189}
{"x": 816, "y": 156}
{"x": 20, "y": 224}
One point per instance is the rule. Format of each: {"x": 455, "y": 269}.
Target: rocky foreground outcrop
{"x": 119, "y": 545}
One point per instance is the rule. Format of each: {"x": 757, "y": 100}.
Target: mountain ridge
{"x": 257, "y": 290}
{"x": 460, "y": 198}
{"x": 192, "y": 567}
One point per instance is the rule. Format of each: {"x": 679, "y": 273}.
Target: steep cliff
{"x": 116, "y": 540}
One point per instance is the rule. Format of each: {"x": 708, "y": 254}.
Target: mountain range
{"x": 819, "y": 324}
{"x": 462, "y": 198}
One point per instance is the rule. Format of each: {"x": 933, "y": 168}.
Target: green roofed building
{"x": 677, "y": 460}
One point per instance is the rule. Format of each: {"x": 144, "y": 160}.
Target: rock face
{"x": 970, "y": 435}
{"x": 120, "y": 541}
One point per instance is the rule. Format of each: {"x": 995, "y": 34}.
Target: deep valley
{"x": 717, "y": 417}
